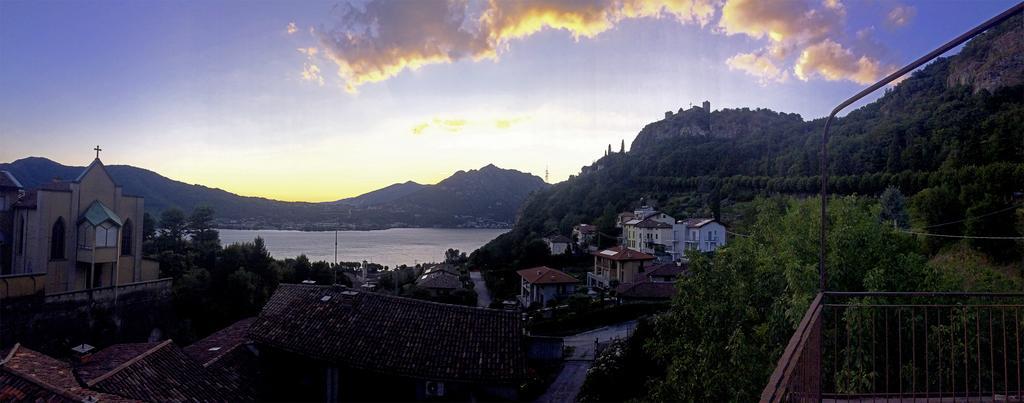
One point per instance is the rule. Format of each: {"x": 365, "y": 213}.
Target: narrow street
{"x": 483, "y": 296}
{"x": 568, "y": 383}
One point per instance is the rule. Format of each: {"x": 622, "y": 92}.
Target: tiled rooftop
{"x": 392, "y": 335}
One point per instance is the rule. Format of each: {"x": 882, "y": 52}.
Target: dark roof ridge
{"x": 128, "y": 363}
{"x": 10, "y": 353}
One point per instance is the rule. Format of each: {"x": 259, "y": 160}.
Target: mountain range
{"x": 488, "y": 197}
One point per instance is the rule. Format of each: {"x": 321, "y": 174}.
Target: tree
{"x": 894, "y": 208}
{"x": 148, "y": 227}
{"x": 622, "y": 147}
{"x": 172, "y": 230}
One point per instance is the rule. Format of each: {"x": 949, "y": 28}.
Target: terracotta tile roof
{"x": 697, "y": 222}
{"x": 443, "y": 267}
{"x": 393, "y": 335}
{"x": 622, "y": 253}
{"x": 646, "y": 290}
{"x": 24, "y": 367}
{"x": 220, "y": 343}
{"x": 649, "y": 223}
{"x": 160, "y": 373}
{"x": 14, "y": 388}
{"x": 239, "y": 370}
{"x": 439, "y": 280}
{"x": 546, "y": 275}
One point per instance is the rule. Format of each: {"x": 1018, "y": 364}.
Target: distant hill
{"x": 383, "y": 195}
{"x": 488, "y": 197}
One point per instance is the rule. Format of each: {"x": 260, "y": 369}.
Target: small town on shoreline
{"x": 726, "y": 252}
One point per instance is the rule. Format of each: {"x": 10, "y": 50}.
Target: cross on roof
{"x": 98, "y": 149}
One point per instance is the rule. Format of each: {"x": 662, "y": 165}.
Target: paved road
{"x": 567, "y": 385}
{"x": 483, "y": 295}
{"x": 565, "y": 388}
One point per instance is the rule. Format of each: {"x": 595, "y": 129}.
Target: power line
{"x": 738, "y": 234}
{"x": 1008, "y": 238}
{"x": 976, "y": 217}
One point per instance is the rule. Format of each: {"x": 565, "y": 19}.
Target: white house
{"x": 661, "y": 235}
{"x": 558, "y": 244}
{"x": 704, "y": 234}
{"x": 543, "y": 284}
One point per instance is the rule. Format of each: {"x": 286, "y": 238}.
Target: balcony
{"x": 937, "y": 347}
{"x": 596, "y": 280}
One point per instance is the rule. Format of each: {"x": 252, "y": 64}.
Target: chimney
{"x": 82, "y": 352}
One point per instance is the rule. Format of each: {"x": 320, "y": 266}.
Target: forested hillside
{"x": 949, "y": 137}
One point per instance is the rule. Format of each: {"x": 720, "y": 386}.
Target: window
{"x": 106, "y": 236}
{"x": 83, "y": 238}
{"x": 126, "y": 238}
{"x": 57, "y": 240}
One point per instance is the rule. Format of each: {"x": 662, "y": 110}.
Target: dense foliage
{"x": 733, "y": 316}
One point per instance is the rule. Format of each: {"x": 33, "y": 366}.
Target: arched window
{"x": 57, "y": 240}
{"x": 126, "y": 237}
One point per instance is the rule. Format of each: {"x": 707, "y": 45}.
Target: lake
{"x": 388, "y": 247}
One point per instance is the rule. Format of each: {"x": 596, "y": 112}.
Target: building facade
{"x": 543, "y": 284}
{"x": 72, "y": 235}
{"x": 659, "y": 234}
{"x": 617, "y": 265}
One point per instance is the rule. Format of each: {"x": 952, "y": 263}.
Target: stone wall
{"x": 54, "y": 323}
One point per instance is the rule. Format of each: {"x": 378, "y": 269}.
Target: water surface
{"x": 388, "y": 247}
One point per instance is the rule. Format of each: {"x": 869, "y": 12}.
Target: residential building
{"x": 347, "y": 345}
{"x": 617, "y": 265}
{"x": 586, "y": 236}
{"x": 661, "y": 235}
{"x": 656, "y": 285}
{"x": 544, "y": 284}
{"x": 71, "y": 235}
{"x": 558, "y": 244}
{"x": 439, "y": 282}
{"x": 703, "y": 234}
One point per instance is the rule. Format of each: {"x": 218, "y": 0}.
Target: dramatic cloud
{"x": 780, "y": 20}
{"x": 372, "y": 41}
{"x": 832, "y": 62}
{"x": 814, "y": 31}
{"x": 758, "y": 65}
{"x": 378, "y": 40}
{"x": 901, "y": 15}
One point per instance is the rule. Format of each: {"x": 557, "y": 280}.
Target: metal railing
{"x": 905, "y": 346}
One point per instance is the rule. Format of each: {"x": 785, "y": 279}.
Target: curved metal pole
{"x": 874, "y": 87}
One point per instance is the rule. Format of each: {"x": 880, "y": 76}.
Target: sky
{"x": 319, "y": 101}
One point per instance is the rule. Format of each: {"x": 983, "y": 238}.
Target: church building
{"x": 71, "y": 235}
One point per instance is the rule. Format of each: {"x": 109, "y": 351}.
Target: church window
{"x": 57, "y": 240}
{"x": 106, "y": 236}
{"x": 126, "y": 238}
